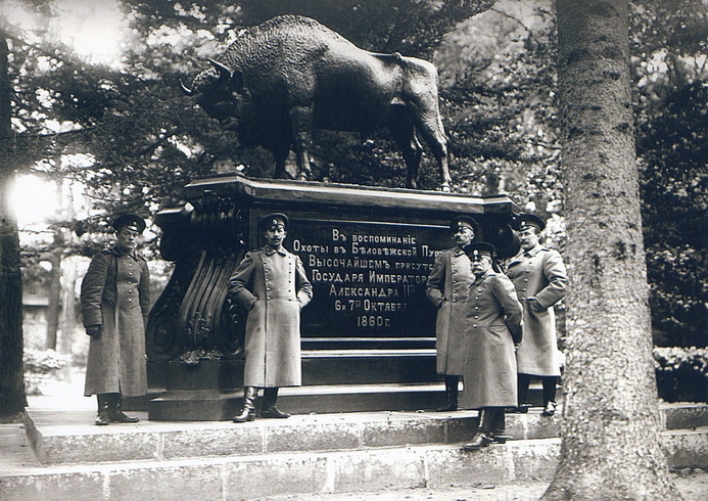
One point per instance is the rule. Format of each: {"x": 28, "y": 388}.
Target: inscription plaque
{"x": 369, "y": 279}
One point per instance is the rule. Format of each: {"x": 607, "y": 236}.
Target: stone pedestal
{"x": 368, "y": 253}
{"x": 208, "y": 391}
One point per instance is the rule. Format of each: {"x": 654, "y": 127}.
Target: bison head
{"x": 220, "y": 93}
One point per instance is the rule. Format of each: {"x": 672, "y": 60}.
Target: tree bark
{"x": 55, "y": 284}
{"x": 68, "y": 319}
{"x": 610, "y": 426}
{"x": 12, "y": 390}
{"x": 54, "y": 305}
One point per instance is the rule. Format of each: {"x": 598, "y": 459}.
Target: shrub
{"x": 41, "y": 365}
{"x": 682, "y": 374}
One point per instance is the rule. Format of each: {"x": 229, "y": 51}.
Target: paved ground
{"x": 693, "y": 486}
{"x": 526, "y": 492}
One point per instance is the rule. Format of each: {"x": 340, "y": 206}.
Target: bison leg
{"x": 403, "y": 132}
{"x": 281, "y": 155}
{"x": 434, "y": 135}
{"x": 301, "y": 120}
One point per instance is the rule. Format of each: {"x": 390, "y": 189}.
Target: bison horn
{"x": 187, "y": 91}
{"x": 225, "y": 72}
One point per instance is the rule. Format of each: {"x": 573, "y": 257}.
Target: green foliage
{"x": 682, "y": 374}
{"x": 674, "y": 146}
{"x": 411, "y": 27}
{"x": 498, "y": 88}
{"x": 40, "y": 366}
{"x": 669, "y": 43}
{"x": 44, "y": 361}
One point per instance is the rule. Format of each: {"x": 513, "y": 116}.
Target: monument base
{"x": 368, "y": 335}
{"x": 332, "y": 381}
{"x": 207, "y": 391}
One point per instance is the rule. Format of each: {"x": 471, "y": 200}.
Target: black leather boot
{"x": 103, "y": 417}
{"x": 268, "y": 409}
{"x": 248, "y": 413}
{"x": 524, "y": 380}
{"x": 451, "y": 385}
{"x": 483, "y": 437}
{"x": 549, "y": 409}
{"x": 549, "y": 395}
{"x": 499, "y": 427}
{"x": 116, "y": 413}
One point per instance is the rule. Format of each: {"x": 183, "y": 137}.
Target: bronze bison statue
{"x": 282, "y": 79}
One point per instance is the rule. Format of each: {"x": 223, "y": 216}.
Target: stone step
{"x": 212, "y": 405}
{"x": 260, "y": 476}
{"x": 67, "y": 437}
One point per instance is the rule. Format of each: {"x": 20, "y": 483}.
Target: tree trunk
{"x": 610, "y": 427}
{"x": 68, "y": 324}
{"x": 68, "y": 321}
{"x": 54, "y": 306}
{"x": 55, "y": 295}
{"x": 12, "y": 390}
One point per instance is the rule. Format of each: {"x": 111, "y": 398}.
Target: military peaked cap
{"x": 464, "y": 221}
{"x": 130, "y": 221}
{"x": 271, "y": 220}
{"x": 479, "y": 249}
{"x": 524, "y": 221}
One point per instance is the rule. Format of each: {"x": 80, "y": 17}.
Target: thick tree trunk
{"x": 610, "y": 426}
{"x": 12, "y": 391}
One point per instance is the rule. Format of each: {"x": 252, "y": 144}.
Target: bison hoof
{"x": 445, "y": 188}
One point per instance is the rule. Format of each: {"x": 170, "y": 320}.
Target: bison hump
{"x": 292, "y": 26}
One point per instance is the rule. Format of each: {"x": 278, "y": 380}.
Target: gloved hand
{"x": 94, "y": 331}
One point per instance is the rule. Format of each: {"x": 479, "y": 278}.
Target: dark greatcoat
{"x": 273, "y": 287}
{"x": 493, "y": 313}
{"x": 115, "y": 294}
{"x": 540, "y": 274}
{"x": 447, "y": 289}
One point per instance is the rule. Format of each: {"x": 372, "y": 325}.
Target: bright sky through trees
{"x": 96, "y": 30}
{"x": 33, "y": 200}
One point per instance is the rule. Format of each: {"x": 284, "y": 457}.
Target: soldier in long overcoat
{"x": 271, "y": 284}
{"x": 493, "y": 328}
{"x": 446, "y": 289}
{"x": 115, "y": 302}
{"x": 540, "y": 278}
